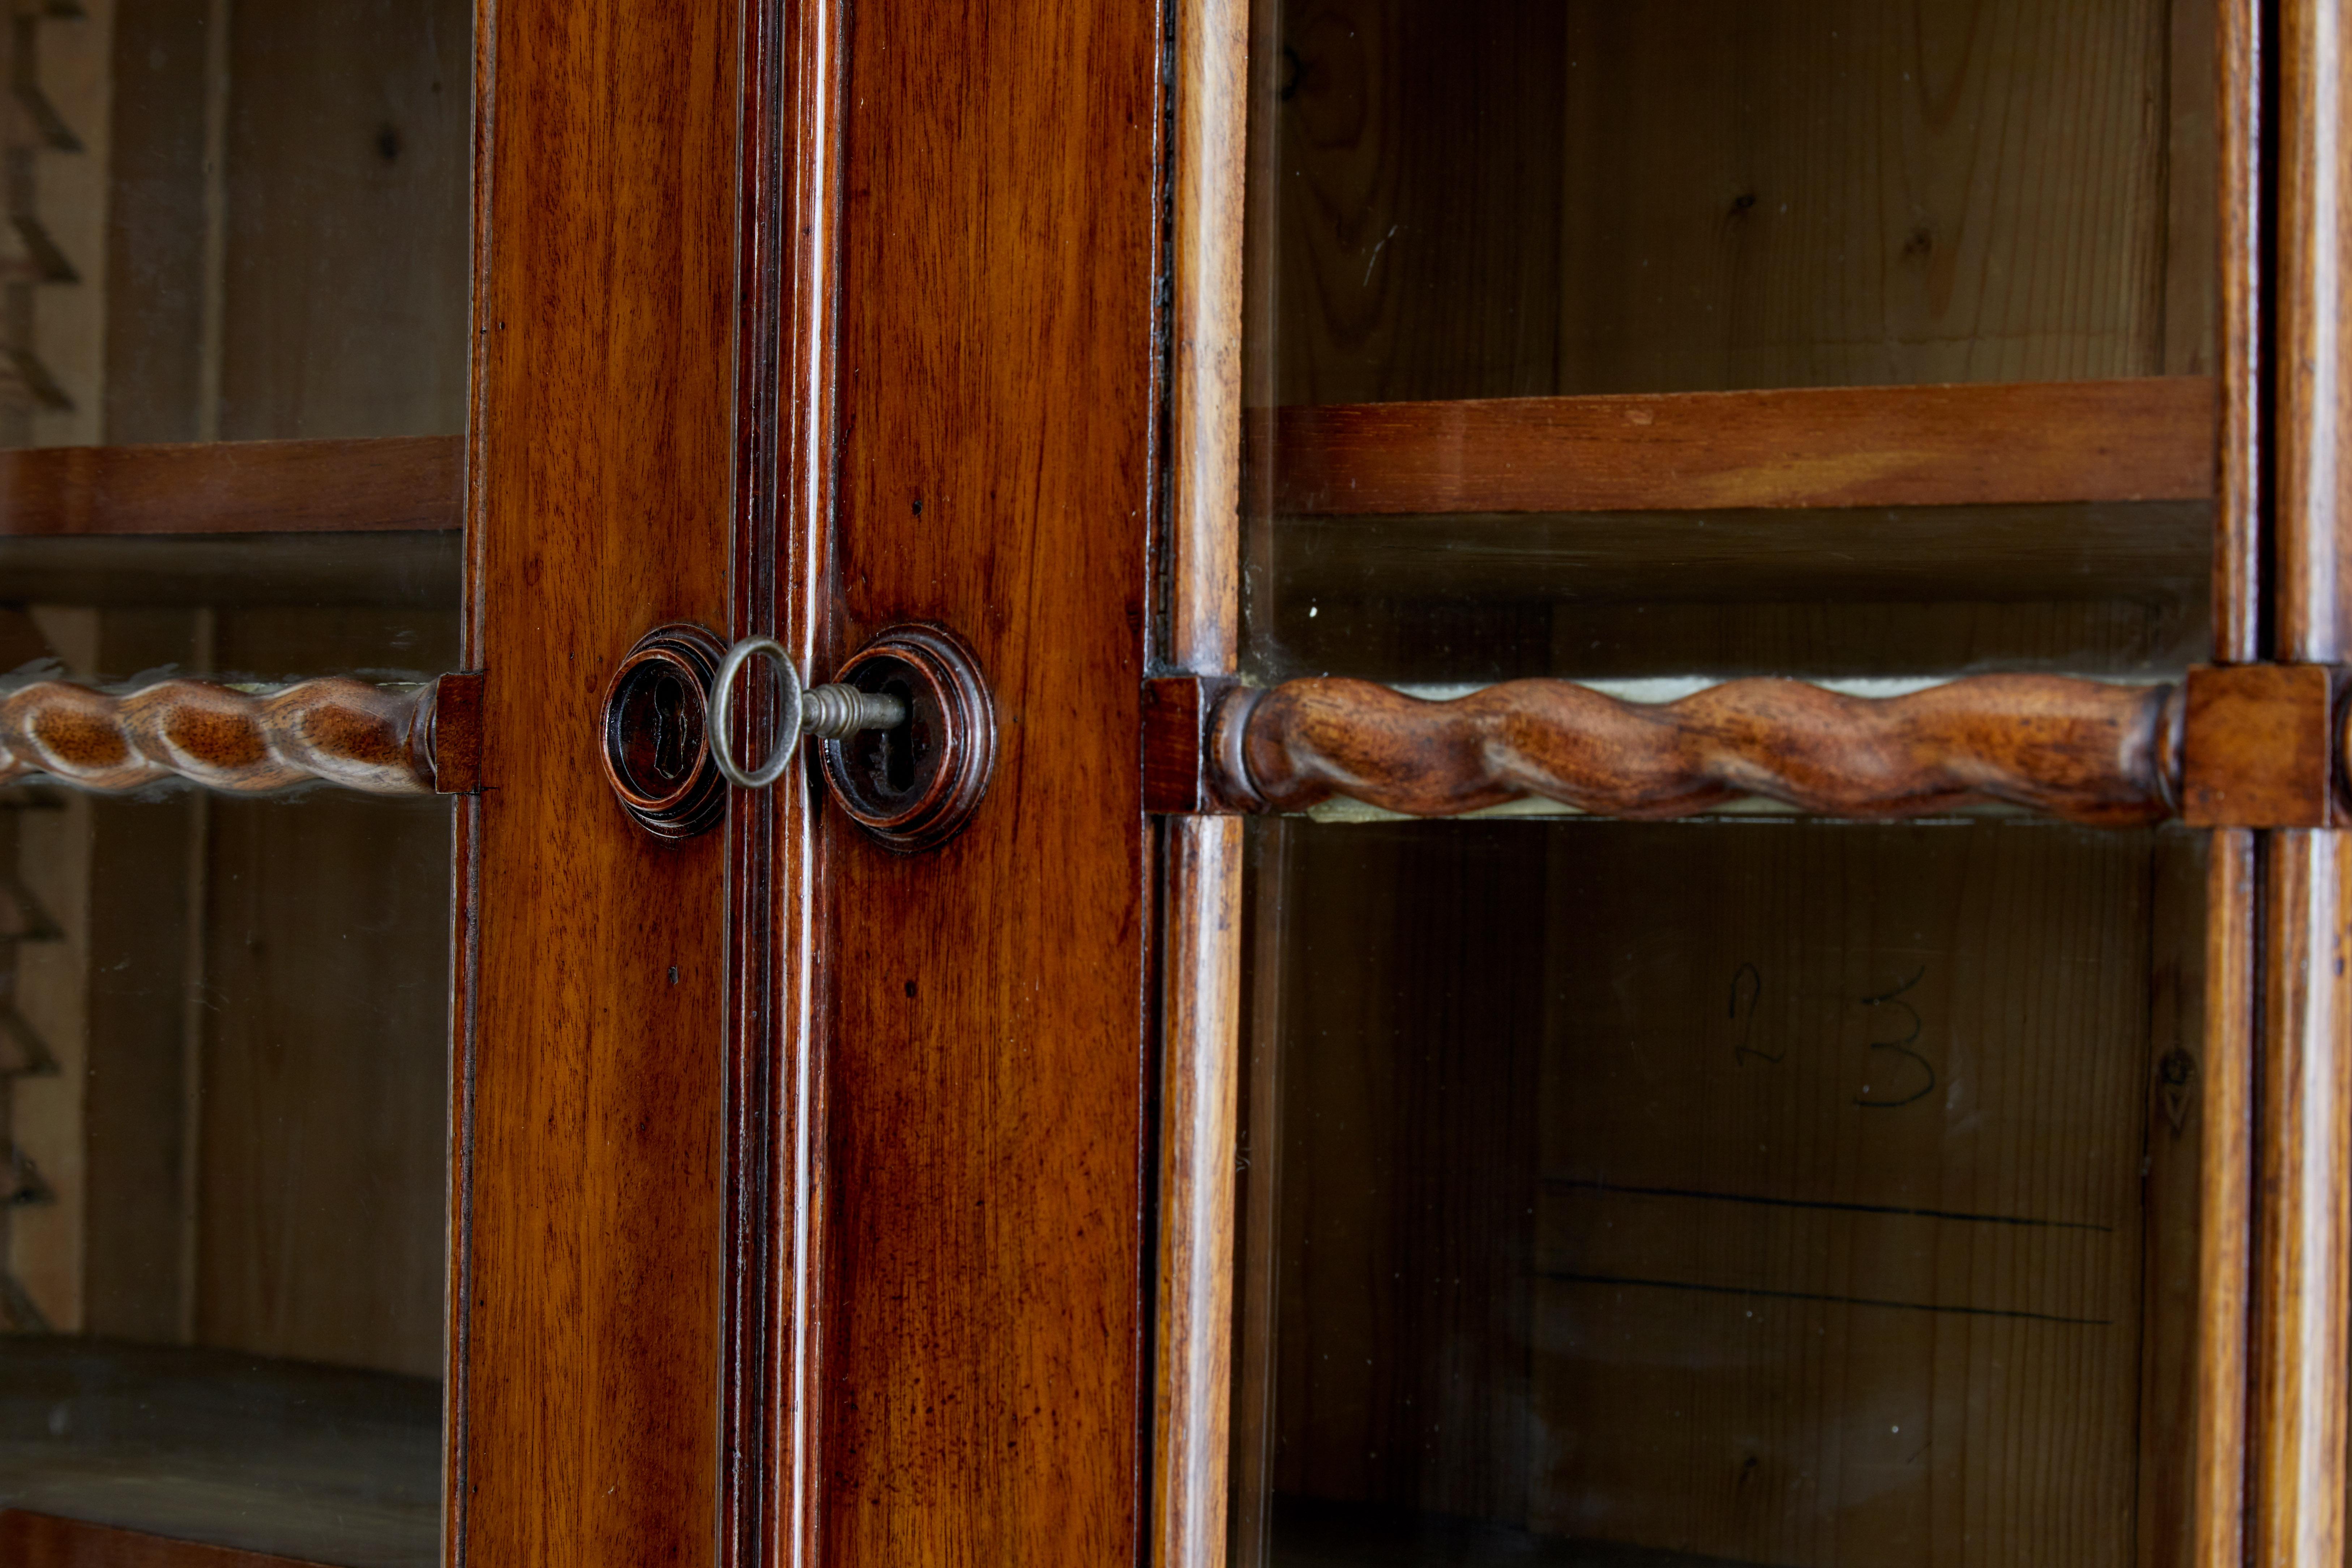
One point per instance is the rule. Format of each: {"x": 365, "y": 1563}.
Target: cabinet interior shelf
{"x": 391, "y": 484}
{"x": 2143, "y": 440}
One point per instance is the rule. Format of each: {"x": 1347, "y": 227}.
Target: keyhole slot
{"x": 896, "y": 762}
{"x": 654, "y": 729}
{"x": 669, "y": 728}
{"x": 903, "y": 743}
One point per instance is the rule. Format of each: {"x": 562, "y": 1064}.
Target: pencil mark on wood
{"x": 1901, "y": 1046}
{"x": 1748, "y": 982}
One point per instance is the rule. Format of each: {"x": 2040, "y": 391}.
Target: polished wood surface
{"x": 2302, "y": 1362}
{"x": 1204, "y": 397}
{"x": 770, "y": 1414}
{"x": 2246, "y": 362}
{"x": 2225, "y": 1204}
{"x": 2148, "y": 438}
{"x": 588, "y": 1253}
{"x": 344, "y": 731}
{"x": 2302, "y": 1261}
{"x": 363, "y": 486}
{"x": 1200, "y": 1068}
{"x": 2260, "y": 746}
{"x": 984, "y": 1383}
{"x": 43, "y": 1541}
{"x": 2313, "y": 457}
{"x": 2087, "y": 751}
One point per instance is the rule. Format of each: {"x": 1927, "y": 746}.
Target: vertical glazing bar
{"x": 2314, "y": 381}
{"x": 2305, "y": 1115}
{"x": 2307, "y": 1188}
{"x": 2225, "y": 1226}
{"x": 1198, "y": 1111}
{"x": 1201, "y": 1024}
{"x": 2237, "y": 560}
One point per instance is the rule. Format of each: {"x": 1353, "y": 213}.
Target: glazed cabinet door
{"x": 362, "y": 399}
{"x": 1779, "y": 687}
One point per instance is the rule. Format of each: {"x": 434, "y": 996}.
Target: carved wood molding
{"x": 2083, "y": 750}
{"x": 380, "y": 740}
{"x": 2261, "y": 746}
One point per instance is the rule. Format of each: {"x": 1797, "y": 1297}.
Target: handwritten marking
{"x": 1894, "y": 999}
{"x": 1751, "y": 979}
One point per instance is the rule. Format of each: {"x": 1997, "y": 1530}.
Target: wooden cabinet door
{"x": 369, "y": 392}
{"x": 1661, "y": 881}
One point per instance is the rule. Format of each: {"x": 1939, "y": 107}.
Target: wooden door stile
{"x": 1200, "y": 860}
{"x": 2225, "y": 1202}
{"x": 757, "y": 1116}
{"x": 784, "y": 431}
{"x": 2242, "y": 479}
{"x": 602, "y": 467}
{"x": 2226, "y": 1207}
{"x": 984, "y": 1391}
{"x": 2304, "y": 1234}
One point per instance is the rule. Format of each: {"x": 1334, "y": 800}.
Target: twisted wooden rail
{"x": 2084, "y": 750}
{"x": 382, "y": 740}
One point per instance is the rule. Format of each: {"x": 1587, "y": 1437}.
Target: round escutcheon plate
{"x": 657, "y": 751}
{"x": 914, "y": 786}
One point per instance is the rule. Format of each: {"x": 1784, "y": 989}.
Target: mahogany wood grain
{"x": 2148, "y": 438}
{"x": 404, "y": 483}
{"x": 984, "y": 1383}
{"x": 762, "y": 1501}
{"x": 1199, "y": 1070}
{"x": 2303, "y": 1264}
{"x": 2238, "y": 607}
{"x": 2302, "y": 1361}
{"x": 2087, "y": 751}
{"x": 2225, "y": 1204}
{"x": 345, "y": 732}
{"x": 2259, "y": 746}
{"x": 1204, "y": 404}
{"x": 602, "y": 467}
{"x": 44, "y": 1540}
{"x": 771, "y": 1400}
{"x": 2314, "y": 454}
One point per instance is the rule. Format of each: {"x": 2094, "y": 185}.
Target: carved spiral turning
{"x": 2084, "y": 750}
{"x": 344, "y": 731}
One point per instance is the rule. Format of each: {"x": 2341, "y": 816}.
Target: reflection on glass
{"x": 1753, "y": 1191}
{"x": 225, "y": 1021}
{"x": 1506, "y": 199}
{"x": 2108, "y": 589}
{"x": 1748, "y": 1190}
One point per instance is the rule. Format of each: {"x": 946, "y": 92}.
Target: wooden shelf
{"x": 2144, "y": 439}
{"x": 396, "y": 483}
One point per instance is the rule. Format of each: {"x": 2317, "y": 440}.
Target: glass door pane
{"x": 233, "y": 385}
{"x": 1750, "y": 1188}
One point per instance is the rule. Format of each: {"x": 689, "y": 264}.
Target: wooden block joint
{"x": 452, "y": 733}
{"x": 1182, "y": 773}
{"x": 2259, "y": 747}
